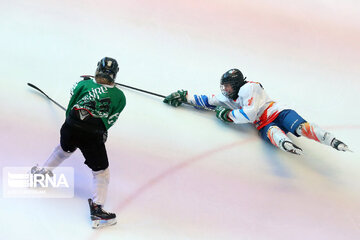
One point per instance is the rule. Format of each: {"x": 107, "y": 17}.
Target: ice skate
{"x": 339, "y": 145}
{"x": 292, "y": 148}
{"x": 43, "y": 171}
{"x": 99, "y": 217}
{"x": 41, "y": 174}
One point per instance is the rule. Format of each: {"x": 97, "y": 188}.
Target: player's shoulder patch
{"x": 249, "y": 88}
{"x": 257, "y": 83}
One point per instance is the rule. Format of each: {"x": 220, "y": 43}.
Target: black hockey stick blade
{"x": 38, "y": 89}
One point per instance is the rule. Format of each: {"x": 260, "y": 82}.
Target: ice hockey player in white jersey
{"x": 244, "y": 101}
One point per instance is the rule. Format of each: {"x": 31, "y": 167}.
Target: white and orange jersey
{"x": 252, "y": 106}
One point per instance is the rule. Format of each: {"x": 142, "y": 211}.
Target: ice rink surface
{"x": 181, "y": 173}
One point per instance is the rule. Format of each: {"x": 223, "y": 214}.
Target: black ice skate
{"x": 40, "y": 171}
{"x": 43, "y": 171}
{"x": 99, "y": 217}
{"x": 339, "y": 145}
{"x": 292, "y": 148}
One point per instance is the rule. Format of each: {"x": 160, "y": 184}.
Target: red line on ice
{"x": 172, "y": 170}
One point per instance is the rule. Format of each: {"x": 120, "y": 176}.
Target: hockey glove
{"x": 222, "y": 113}
{"x": 176, "y": 98}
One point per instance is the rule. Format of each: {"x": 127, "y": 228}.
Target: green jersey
{"x": 101, "y": 101}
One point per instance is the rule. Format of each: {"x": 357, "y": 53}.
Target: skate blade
{"x": 96, "y": 224}
{"x": 346, "y": 149}
{"x": 296, "y": 152}
{"x": 299, "y": 152}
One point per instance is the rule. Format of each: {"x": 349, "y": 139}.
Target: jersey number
{"x": 104, "y": 105}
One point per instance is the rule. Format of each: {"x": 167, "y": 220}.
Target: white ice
{"x": 181, "y": 173}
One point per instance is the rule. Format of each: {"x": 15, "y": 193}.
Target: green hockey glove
{"x": 176, "y": 98}
{"x": 222, "y": 113}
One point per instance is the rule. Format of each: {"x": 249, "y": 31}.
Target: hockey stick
{"x": 151, "y": 93}
{"x": 162, "y": 96}
{"x": 35, "y": 87}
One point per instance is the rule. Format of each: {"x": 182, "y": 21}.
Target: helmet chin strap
{"x": 234, "y": 97}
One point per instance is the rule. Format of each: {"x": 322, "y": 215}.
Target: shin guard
{"x": 312, "y": 131}
{"x": 100, "y": 186}
{"x": 56, "y": 158}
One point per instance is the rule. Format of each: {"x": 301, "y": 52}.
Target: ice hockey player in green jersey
{"x": 94, "y": 107}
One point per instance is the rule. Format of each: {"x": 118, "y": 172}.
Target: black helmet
{"x": 107, "y": 68}
{"x": 235, "y": 79}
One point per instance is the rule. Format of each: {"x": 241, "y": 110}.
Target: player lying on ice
{"x": 244, "y": 101}
{"x": 94, "y": 107}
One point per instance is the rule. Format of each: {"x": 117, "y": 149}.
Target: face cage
{"x": 222, "y": 88}
{"x": 233, "y": 94}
